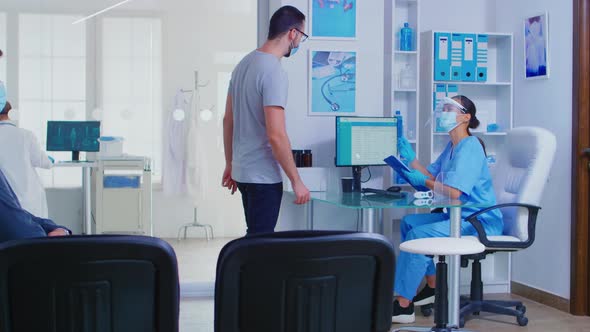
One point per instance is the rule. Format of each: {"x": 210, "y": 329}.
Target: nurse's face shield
{"x": 446, "y": 104}
{"x": 450, "y": 105}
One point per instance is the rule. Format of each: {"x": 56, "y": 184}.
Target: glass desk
{"x": 372, "y": 207}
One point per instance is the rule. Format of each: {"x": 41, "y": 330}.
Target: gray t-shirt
{"x": 257, "y": 81}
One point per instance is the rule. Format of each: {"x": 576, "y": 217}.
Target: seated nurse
{"x": 462, "y": 168}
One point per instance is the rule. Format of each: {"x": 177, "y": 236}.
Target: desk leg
{"x": 454, "y": 270}
{"x": 372, "y": 220}
{"x": 379, "y": 219}
{"x": 368, "y": 220}
{"x": 309, "y": 215}
{"x": 87, "y": 200}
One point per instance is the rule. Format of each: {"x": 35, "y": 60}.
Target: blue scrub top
{"x": 464, "y": 167}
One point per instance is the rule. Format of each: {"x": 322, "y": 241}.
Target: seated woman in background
{"x": 462, "y": 173}
{"x": 16, "y": 223}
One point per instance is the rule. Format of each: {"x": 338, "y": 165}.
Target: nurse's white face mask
{"x": 446, "y": 112}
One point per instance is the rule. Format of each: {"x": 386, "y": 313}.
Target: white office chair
{"x": 519, "y": 177}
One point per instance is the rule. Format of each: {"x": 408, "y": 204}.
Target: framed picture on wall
{"x": 536, "y": 46}
{"x": 332, "y": 19}
{"x": 332, "y": 82}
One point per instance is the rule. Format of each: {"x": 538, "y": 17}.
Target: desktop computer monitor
{"x": 74, "y": 136}
{"x": 364, "y": 141}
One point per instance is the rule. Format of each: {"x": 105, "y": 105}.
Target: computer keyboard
{"x": 383, "y": 192}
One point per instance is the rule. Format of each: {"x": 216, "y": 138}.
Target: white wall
{"x": 547, "y": 104}
{"x": 457, "y": 15}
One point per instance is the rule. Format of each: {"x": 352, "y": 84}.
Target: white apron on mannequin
{"x": 174, "y": 169}
{"x": 196, "y": 161}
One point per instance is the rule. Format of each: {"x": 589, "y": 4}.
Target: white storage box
{"x": 110, "y": 146}
{"x": 314, "y": 178}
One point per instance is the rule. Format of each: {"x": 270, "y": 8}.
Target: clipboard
{"x": 400, "y": 167}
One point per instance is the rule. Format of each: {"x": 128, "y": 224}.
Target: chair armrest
{"x": 533, "y": 212}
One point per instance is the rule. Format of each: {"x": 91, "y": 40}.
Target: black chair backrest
{"x": 305, "y": 281}
{"x": 89, "y": 284}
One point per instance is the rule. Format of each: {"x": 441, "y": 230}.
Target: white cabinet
{"x": 122, "y": 197}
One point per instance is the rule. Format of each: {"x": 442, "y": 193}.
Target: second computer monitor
{"x": 74, "y": 136}
{"x": 365, "y": 141}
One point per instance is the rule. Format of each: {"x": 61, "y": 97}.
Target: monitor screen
{"x": 365, "y": 141}
{"x": 73, "y": 136}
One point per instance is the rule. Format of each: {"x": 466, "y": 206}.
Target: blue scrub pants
{"x": 411, "y": 268}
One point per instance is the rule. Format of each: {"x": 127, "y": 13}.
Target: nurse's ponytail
{"x": 473, "y": 122}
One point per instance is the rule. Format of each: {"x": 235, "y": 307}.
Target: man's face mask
{"x": 292, "y": 48}
{"x": 2, "y": 96}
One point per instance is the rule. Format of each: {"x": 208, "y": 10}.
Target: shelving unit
{"x": 493, "y": 98}
{"x": 494, "y": 102}
{"x": 404, "y": 98}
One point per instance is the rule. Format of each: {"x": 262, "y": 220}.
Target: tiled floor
{"x": 197, "y": 260}
{"x": 197, "y": 316}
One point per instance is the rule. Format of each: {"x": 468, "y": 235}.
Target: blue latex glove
{"x": 51, "y": 159}
{"x": 405, "y": 150}
{"x": 416, "y": 178}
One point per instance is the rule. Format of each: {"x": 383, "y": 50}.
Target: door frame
{"x": 580, "y": 250}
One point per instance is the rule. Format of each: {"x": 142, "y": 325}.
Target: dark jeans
{"x": 262, "y": 203}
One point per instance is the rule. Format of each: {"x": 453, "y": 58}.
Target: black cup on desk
{"x": 347, "y": 184}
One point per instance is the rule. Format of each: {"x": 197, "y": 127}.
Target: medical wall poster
{"x": 536, "y": 47}
{"x": 332, "y": 19}
{"x": 332, "y": 82}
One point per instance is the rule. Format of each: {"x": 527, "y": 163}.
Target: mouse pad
{"x": 399, "y": 167}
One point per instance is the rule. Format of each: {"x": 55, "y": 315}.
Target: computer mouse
{"x": 394, "y": 189}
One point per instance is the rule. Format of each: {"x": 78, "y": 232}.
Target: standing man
{"x": 20, "y": 154}
{"x": 254, "y": 132}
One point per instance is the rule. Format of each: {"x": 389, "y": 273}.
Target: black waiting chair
{"x": 305, "y": 281}
{"x": 89, "y": 284}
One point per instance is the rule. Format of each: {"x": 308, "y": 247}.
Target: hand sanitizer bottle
{"x": 406, "y": 38}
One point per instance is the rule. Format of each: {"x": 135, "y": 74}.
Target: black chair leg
{"x": 441, "y": 302}
{"x": 477, "y": 304}
{"x": 441, "y": 299}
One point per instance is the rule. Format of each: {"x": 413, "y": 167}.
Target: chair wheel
{"x": 426, "y": 310}
{"x": 522, "y": 320}
{"x": 521, "y": 308}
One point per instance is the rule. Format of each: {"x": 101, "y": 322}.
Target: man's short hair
{"x": 283, "y": 20}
